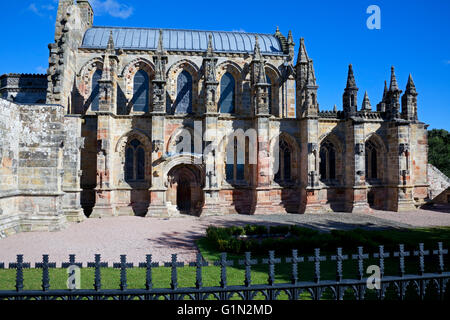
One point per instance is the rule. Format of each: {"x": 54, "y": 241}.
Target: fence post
{"x": 97, "y": 264}
{"x": 19, "y": 265}
{"x": 421, "y": 253}
{"x": 223, "y": 263}
{"x": 360, "y": 256}
{"x": 339, "y": 258}
{"x": 174, "y": 264}
{"x": 123, "y": 265}
{"x": 148, "y": 265}
{"x": 45, "y": 265}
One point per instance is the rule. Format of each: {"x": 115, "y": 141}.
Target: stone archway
{"x": 185, "y": 189}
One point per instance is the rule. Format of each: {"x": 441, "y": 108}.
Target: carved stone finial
{"x": 366, "y": 103}
{"x": 302, "y": 53}
{"x": 160, "y": 48}
{"x": 351, "y": 83}
{"x": 257, "y": 51}
{"x": 210, "y": 50}
{"x": 394, "y": 84}
{"x": 410, "y": 86}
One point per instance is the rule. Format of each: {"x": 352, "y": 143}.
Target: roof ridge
{"x": 174, "y": 29}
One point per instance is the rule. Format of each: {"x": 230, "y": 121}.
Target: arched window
{"x": 227, "y": 93}
{"x": 236, "y": 159}
{"x": 269, "y": 92}
{"x": 371, "y": 161}
{"x": 284, "y": 160}
{"x": 327, "y": 162}
{"x": 135, "y": 161}
{"x": 141, "y": 85}
{"x": 95, "y": 90}
{"x": 183, "y": 103}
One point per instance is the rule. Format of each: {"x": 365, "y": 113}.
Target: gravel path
{"x": 162, "y": 237}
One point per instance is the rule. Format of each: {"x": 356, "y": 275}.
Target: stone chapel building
{"x": 101, "y": 137}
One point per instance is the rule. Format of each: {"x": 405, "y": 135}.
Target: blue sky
{"x": 414, "y": 37}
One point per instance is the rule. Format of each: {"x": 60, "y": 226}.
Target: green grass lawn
{"x": 236, "y": 274}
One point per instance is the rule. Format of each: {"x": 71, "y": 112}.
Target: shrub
{"x": 237, "y": 231}
{"x": 279, "y": 230}
{"x": 252, "y": 230}
{"x": 299, "y": 231}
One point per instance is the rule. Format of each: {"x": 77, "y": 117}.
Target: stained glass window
{"x": 269, "y": 91}
{"x": 134, "y": 161}
{"x": 183, "y": 103}
{"x": 141, "y": 91}
{"x": 327, "y": 161}
{"x": 95, "y": 90}
{"x": 227, "y": 93}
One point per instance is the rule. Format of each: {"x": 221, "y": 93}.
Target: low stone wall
{"x": 32, "y": 141}
{"x": 439, "y": 189}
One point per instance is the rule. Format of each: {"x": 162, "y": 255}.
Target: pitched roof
{"x": 180, "y": 40}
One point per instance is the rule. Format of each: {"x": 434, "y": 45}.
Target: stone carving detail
{"x": 359, "y": 149}
{"x": 403, "y": 148}
{"x": 313, "y": 147}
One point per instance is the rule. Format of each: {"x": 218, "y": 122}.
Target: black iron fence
{"x": 293, "y": 290}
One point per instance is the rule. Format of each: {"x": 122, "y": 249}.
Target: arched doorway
{"x": 185, "y": 189}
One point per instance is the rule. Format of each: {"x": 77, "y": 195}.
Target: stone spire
{"x": 351, "y": 83}
{"x": 302, "y": 53}
{"x": 159, "y": 82}
{"x": 160, "y": 49}
{"x": 210, "y": 50}
{"x": 409, "y": 101}
{"x": 410, "y": 86}
{"x": 106, "y": 73}
{"x": 385, "y": 90}
{"x": 394, "y": 85}
{"x": 393, "y": 98}
{"x": 311, "y": 79}
{"x": 291, "y": 46}
{"x": 366, "y": 103}
{"x": 110, "y": 46}
{"x": 257, "y": 51}
{"x": 262, "y": 79}
{"x": 159, "y": 57}
{"x": 350, "y": 97}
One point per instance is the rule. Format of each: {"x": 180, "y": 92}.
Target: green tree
{"x": 439, "y": 150}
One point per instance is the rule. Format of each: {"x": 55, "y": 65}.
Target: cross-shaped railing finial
{"x": 380, "y": 256}
{"x": 223, "y": 263}
{"x": 45, "y": 265}
{"x": 339, "y": 258}
{"x": 123, "y": 265}
{"x": 317, "y": 259}
{"x": 271, "y": 261}
{"x": 440, "y": 252}
{"x": 421, "y": 253}
{"x": 199, "y": 264}
{"x": 97, "y": 264}
{"x": 401, "y": 254}
{"x": 174, "y": 264}
{"x": 248, "y": 262}
{"x": 19, "y": 265}
{"x": 295, "y": 259}
{"x": 360, "y": 256}
{"x": 148, "y": 265}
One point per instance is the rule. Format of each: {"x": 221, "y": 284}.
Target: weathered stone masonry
{"x": 120, "y": 102}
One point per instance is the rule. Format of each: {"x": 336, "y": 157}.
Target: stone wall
{"x": 439, "y": 185}
{"x": 31, "y": 143}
